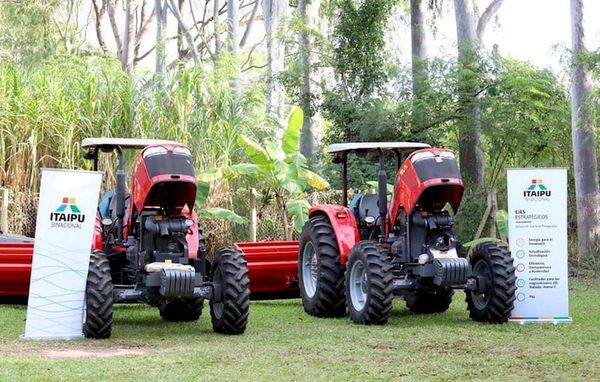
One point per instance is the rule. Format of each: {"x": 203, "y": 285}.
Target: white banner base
{"x": 541, "y": 320}
{"x": 61, "y": 254}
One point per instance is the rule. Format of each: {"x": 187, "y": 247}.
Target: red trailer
{"x": 272, "y": 266}
{"x": 16, "y": 253}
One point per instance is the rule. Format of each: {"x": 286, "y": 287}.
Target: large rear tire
{"x": 230, "y": 273}
{"x": 494, "y": 264}
{"x": 182, "y": 309}
{"x": 427, "y": 302}
{"x": 320, "y": 273}
{"x": 369, "y": 284}
{"x": 98, "y": 315}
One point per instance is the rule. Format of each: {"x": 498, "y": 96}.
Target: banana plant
{"x": 279, "y": 166}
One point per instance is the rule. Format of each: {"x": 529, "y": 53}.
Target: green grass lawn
{"x": 283, "y": 343}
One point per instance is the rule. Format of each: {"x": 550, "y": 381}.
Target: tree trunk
{"x": 419, "y": 57}
{"x": 161, "y": 27}
{"x": 584, "y": 149}
{"x": 273, "y": 11}
{"x": 471, "y": 156}
{"x": 111, "y": 5}
{"x": 182, "y": 28}
{"x": 233, "y": 26}
{"x": 308, "y": 141}
{"x": 217, "y": 26}
{"x": 128, "y": 41}
{"x": 99, "y": 14}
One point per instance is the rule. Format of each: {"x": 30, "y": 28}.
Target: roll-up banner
{"x": 63, "y": 240}
{"x": 537, "y": 232}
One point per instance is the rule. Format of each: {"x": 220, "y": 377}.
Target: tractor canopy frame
{"x": 340, "y": 155}
{"x": 108, "y": 145}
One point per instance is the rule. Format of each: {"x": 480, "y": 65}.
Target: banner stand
{"x": 537, "y": 233}
{"x": 63, "y": 240}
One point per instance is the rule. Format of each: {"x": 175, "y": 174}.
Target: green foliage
{"x": 481, "y": 240}
{"x": 283, "y": 169}
{"x": 359, "y": 46}
{"x": 221, "y": 213}
{"x": 502, "y": 224}
{"x": 46, "y": 111}
{"x": 298, "y": 209}
{"x": 469, "y": 213}
{"x": 291, "y": 137}
{"x": 279, "y": 167}
{"x": 29, "y": 30}
{"x": 525, "y": 118}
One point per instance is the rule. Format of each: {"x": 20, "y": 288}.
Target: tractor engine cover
{"x": 450, "y": 271}
{"x": 176, "y": 283}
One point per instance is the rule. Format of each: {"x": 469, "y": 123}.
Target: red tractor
{"x": 149, "y": 248}
{"x": 361, "y": 256}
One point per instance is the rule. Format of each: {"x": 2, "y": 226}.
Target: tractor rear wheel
{"x": 229, "y": 315}
{"x": 320, "y": 273}
{"x": 369, "y": 288}
{"x": 182, "y": 309}
{"x": 426, "y": 302}
{"x": 493, "y": 264}
{"x": 98, "y": 312}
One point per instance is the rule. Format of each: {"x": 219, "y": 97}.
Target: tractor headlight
{"x": 151, "y": 151}
{"x": 423, "y": 258}
{"x": 182, "y": 151}
{"x": 423, "y": 155}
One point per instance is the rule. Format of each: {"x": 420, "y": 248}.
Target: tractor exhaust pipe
{"x": 382, "y": 183}
{"x": 120, "y": 194}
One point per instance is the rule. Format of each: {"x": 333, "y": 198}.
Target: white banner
{"x": 63, "y": 240}
{"x": 537, "y": 232}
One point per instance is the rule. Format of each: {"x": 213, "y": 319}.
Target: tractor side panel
{"x": 344, "y": 225}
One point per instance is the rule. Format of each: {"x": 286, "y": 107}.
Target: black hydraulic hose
{"x": 382, "y": 178}
{"x": 120, "y": 194}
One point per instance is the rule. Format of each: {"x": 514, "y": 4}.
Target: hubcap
{"x": 358, "y": 285}
{"x": 482, "y": 269}
{"x": 310, "y": 269}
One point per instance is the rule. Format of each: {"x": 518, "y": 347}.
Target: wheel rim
{"x": 218, "y": 306}
{"x": 309, "y": 269}
{"x": 482, "y": 269}
{"x": 358, "y": 285}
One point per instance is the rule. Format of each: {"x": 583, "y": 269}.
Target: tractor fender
{"x": 344, "y": 226}
{"x": 98, "y": 240}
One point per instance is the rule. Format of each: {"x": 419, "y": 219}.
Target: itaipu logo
{"x": 537, "y": 190}
{"x": 67, "y": 215}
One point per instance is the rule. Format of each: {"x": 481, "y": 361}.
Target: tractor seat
{"x": 354, "y": 204}
{"x": 103, "y": 206}
{"x": 368, "y": 206}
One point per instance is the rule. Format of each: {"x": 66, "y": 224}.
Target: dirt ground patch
{"x": 76, "y": 351}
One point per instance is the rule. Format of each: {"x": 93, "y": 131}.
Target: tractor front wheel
{"x": 427, "y": 302}
{"x": 493, "y": 266}
{"x": 320, "y": 273}
{"x": 369, "y": 287}
{"x": 229, "y": 314}
{"x": 98, "y": 311}
{"x": 182, "y": 309}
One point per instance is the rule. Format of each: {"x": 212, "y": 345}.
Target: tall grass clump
{"x": 46, "y": 111}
